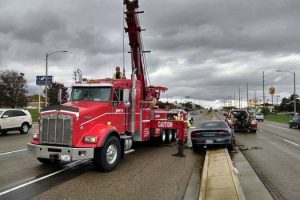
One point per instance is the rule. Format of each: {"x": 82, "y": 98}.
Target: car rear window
{"x": 212, "y": 125}
{"x": 239, "y": 113}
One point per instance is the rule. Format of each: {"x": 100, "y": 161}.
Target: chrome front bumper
{"x": 60, "y": 153}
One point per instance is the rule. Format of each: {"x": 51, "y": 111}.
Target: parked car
{"x": 295, "y": 122}
{"x": 15, "y": 119}
{"x": 240, "y": 120}
{"x": 212, "y": 133}
{"x": 259, "y": 117}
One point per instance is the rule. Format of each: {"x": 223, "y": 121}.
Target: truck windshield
{"x": 91, "y": 93}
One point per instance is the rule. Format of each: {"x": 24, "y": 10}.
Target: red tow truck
{"x": 104, "y": 117}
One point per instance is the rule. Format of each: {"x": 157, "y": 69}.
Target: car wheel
{"x": 197, "y": 148}
{"x": 107, "y": 158}
{"x": 290, "y": 126}
{"x": 254, "y": 131}
{"x": 24, "y": 128}
{"x": 298, "y": 126}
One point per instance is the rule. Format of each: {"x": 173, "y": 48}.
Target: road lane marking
{"x": 9, "y": 152}
{"x": 68, "y": 166}
{"x": 288, "y": 141}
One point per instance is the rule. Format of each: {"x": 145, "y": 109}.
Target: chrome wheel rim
{"x": 111, "y": 154}
{"x": 25, "y": 128}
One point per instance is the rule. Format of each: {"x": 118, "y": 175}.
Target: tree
{"x": 53, "y": 93}
{"x": 13, "y": 89}
{"x": 284, "y": 106}
{"x": 265, "y": 110}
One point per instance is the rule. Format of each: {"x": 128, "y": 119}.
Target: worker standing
{"x": 118, "y": 74}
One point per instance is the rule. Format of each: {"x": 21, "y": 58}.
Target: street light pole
{"x": 294, "y": 74}
{"x": 295, "y": 110}
{"x": 46, "y": 82}
{"x": 277, "y": 99}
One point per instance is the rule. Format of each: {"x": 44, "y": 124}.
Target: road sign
{"x": 272, "y": 90}
{"x": 41, "y": 80}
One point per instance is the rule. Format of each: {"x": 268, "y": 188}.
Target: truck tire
{"x": 163, "y": 137}
{"x": 107, "y": 158}
{"x": 174, "y": 135}
{"x": 24, "y": 128}
{"x": 168, "y": 136}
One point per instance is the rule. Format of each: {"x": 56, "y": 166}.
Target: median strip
{"x": 218, "y": 179}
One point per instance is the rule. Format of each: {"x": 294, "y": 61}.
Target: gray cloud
{"x": 204, "y": 49}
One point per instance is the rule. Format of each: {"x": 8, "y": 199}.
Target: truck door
{"x": 119, "y": 110}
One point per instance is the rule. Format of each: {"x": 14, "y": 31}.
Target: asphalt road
{"x": 148, "y": 173}
{"x": 274, "y": 154}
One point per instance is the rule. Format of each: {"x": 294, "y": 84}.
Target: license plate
{"x": 209, "y": 141}
{"x": 65, "y": 158}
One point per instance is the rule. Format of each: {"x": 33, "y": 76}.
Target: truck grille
{"x": 56, "y": 129}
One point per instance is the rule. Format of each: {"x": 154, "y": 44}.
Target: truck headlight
{"x": 36, "y": 135}
{"x": 90, "y": 139}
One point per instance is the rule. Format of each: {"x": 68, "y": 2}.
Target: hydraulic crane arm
{"x": 135, "y": 41}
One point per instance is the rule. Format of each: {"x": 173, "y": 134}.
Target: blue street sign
{"x": 41, "y": 80}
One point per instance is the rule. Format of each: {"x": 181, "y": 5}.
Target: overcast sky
{"x": 203, "y": 49}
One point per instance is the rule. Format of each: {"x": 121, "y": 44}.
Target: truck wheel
{"x": 254, "y": 131}
{"x": 174, "y": 135}
{"x": 290, "y": 126}
{"x": 163, "y": 137}
{"x": 169, "y": 136}
{"x": 24, "y": 128}
{"x": 107, "y": 158}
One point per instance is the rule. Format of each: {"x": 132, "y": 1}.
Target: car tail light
{"x": 195, "y": 133}
{"x": 223, "y": 133}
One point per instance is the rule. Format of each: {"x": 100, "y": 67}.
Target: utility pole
{"x": 277, "y": 99}
{"x": 295, "y": 109}
{"x": 239, "y": 97}
{"x": 255, "y": 97}
{"x": 234, "y": 98}
{"x": 247, "y": 98}
{"x": 263, "y": 89}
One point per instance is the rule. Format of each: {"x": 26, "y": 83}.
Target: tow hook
{"x": 54, "y": 157}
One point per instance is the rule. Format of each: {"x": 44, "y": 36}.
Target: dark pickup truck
{"x": 240, "y": 120}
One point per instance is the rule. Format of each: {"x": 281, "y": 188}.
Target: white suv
{"x": 15, "y": 119}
